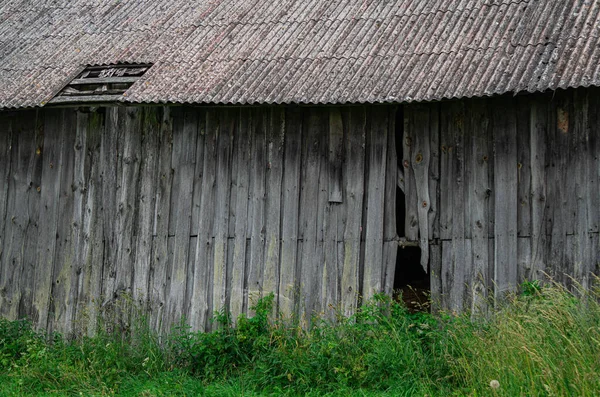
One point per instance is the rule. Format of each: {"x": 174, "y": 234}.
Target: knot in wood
{"x": 485, "y": 158}
{"x": 405, "y": 163}
{"x": 419, "y": 158}
{"x": 424, "y": 204}
{"x": 408, "y": 141}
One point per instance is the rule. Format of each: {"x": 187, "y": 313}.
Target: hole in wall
{"x": 411, "y": 282}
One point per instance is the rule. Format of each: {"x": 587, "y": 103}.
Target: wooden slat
{"x": 376, "y": 164}
{"x": 538, "y": 133}
{"x": 411, "y": 220}
{"x": 127, "y": 197}
{"x": 34, "y": 176}
{"x": 183, "y": 163}
{"x": 110, "y": 181}
{"x": 148, "y": 186}
{"x": 290, "y": 211}
{"x": 434, "y": 171}
{"x": 17, "y": 213}
{"x": 420, "y": 161}
{"x": 91, "y": 252}
{"x": 479, "y": 192}
{"x": 505, "y": 192}
{"x": 390, "y": 247}
{"x": 63, "y": 259}
{"x": 240, "y": 182}
{"x": 355, "y": 190}
{"x": 5, "y": 171}
{"x": 275, "y": 152}
{"x": 594, "y": 162}
{"x": 435, "y": 275}
{"x": 199, "y": 312}
{"x": 313, "y": 148}
{"x": 160, "y": 252}
{"x": 50, "y": 192}
{"x": 336, "y": 154}
{"x": 523, "y": 110}
{"x": 556, "y": 211}
{"x": 461, "y": 268}
{"x": 227, "y": 120}
{"x": 446, "y": 174}
{"x": 256, "y": 212}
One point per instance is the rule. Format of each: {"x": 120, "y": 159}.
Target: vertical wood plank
{"x": 505, "y": 192}
{"x": 290, "y": 211}
{"x": 336, "y": 138}
{"x": 461, "y": 268}
{"x": 538, "y": 133}
{"x": 34, "y": 176}
{"x": 240, "y": 184}
{"x": 227, "y": 125}
{"x": 202, "y": 294}
{"x": 50, "y": 192}
{"x": 434, "y": 171}
{"x": 5, "y": 171}
{"x": 257, "y": 205}
{"x": 446, "y": 173}
{"x": 91, "y": 254}
{"x": 127, "y": 197}
{"x": 150, "y": 151}
{"x": 18, "y": 213}
{"x": 110, "y": 186}
{"x": 390, "y": 247}
{"x": 376, "y": 163}
{"x": 479, "y": 192}
{"x": 312, "y": 149}
{"x": 411, "y": 220}
{"x": 160, "y": 243}
{"x": 183, "y": 163}
{"x": 275, "y": 150}
{"x": 420, "y": 161}
{"x": 355, "y": 190}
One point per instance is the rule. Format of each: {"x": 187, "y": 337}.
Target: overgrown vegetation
{"x": 546, "y": 342}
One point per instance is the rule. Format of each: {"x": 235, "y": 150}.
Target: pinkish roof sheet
{"x": 301, "y": 51}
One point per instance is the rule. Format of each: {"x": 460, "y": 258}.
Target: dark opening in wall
{"x": 411, "y": 282}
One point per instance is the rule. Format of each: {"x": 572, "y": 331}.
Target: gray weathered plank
{"x": 91, "y": 252}
{"x": 17, "y": 213}
{"x": 61, "y": 316}
{"x": 411, "y": 219}
{"x": 390, "y": 246}
{"x": 256, "y": 212}
{"x": 355, "y": 191}
{"x": 376, "y": 164}
{"x": 479, "y": 192}
{"x": 434, "y": 170}
{"x": 312, "y": 149}
{"x": 183, "y": 163}
{"x": 275, "y": 151}
{"x": 34, "y": 176}
{"x": 240, "y": 184}
{"x": 538, "y": 133}
{"x": 420, "y": 160}
{"x": 50, "y": 192}
{"x": 290, "y": 211}
{"x": 336, "y": 154}
{"x": 227, "y": 125}
{"x": 160, "y": 256}
{"x": 199, "y": 312}
{"x": 505, "y": 192}
{"x": 148, "y": 185}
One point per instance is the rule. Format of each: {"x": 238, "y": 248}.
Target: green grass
{"x": 546, "y": 342}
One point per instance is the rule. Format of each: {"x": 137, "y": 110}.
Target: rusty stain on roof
{"x": 301, "y": 51}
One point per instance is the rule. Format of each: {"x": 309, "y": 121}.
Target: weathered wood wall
{"x": 190, "y": 210}
{"x": 514, "y": 192}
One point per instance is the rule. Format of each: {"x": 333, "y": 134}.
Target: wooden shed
{"x": 198, "y": 155}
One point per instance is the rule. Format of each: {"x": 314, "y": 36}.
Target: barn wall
{"x": 514, "y": 192}
{"x": 191, "y": 210}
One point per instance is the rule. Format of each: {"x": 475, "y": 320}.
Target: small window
{"x": 105, "y": 83}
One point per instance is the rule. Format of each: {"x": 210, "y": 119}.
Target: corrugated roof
{"x": 301, "y": 51}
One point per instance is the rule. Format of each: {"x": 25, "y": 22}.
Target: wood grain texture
{"x": 375, "y": 185}
{"x": 505, "y": 191}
